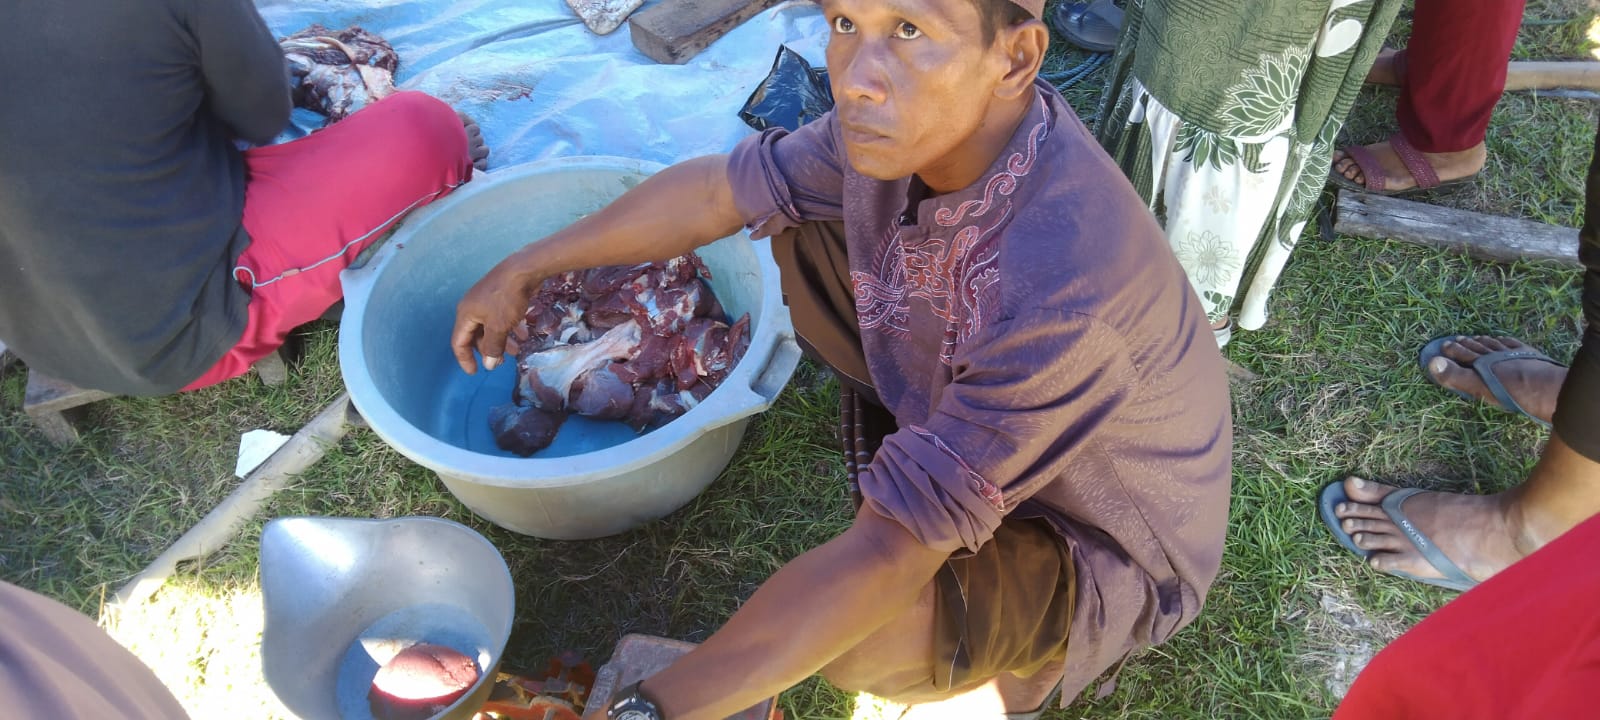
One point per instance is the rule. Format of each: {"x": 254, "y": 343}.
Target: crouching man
{"x": 1036, "y": 415}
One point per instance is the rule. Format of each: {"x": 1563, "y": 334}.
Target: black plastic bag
{"x": 793, "y": 94}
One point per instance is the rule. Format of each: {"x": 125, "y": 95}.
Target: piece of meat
{"x": 638, "y": 343}
{"x": 609, "y": 311}
{"x": 524, "y": 429}
{"x": 602, "y": 281}
{"x": 655, "y": 404}
{"x": 556, "y": 323}
{"x": 545, "y": 378}
{"x": 652, "y": 362}
{"x": 420, "y": 682}
{"x": 600, "y": 394}
{"x": 338, "y": 73}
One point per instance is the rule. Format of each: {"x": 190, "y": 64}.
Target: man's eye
{"x": 907, "y": 31}
{"x": 843, "y": 26}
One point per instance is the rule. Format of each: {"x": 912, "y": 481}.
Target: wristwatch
{"x": 630, "y": 703}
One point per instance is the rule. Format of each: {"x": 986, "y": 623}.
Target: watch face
{"x": 635, "y": 715}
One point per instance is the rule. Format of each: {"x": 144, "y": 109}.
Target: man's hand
{"x": 487, "y": 314}
{"x": 813, "y": 610}
{"x": 648, "y": 223}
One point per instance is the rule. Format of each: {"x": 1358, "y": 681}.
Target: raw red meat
{"x": 420, "y": 682}
{"x": 638, "y": 343}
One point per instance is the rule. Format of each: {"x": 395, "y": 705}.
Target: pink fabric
{"x": 1523, "y": 646}
{"x": 312, "y": 205}
{"x": 1455, "y": 70}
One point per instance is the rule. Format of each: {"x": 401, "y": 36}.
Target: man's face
{"x": 912, "y": 80}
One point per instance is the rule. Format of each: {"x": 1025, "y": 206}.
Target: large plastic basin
{"x": 598, "y": 478}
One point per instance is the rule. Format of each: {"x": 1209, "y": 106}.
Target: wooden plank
{"x": 1487, "y": 237}
{"x": 1532, "y": 75}
{"x": 273, "y": 369}
{"x": 672, "y": 31}
{"x": 46, "y": 394}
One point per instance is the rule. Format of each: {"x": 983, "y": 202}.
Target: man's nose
{"x": 864, "y": 75}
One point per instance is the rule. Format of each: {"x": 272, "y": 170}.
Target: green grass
{"x": 1336, "y": 391}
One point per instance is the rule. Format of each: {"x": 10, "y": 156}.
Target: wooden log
{"x": 1532, "y": 75}
{"x": 214, "y": 530}
{"x": 1487, "y": 237}
{"x": 672, "y": 31}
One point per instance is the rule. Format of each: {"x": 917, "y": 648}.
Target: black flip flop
{"x": 1484, "y": 367}
{"x": 1454, "y": 577}
{"x": 1093, "y": 26}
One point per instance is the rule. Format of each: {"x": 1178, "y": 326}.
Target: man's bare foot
{"x": 1448, "y": 166}
{"x": 1481, "y": 534}
{"x": 1533, "y": 383}
{"x": 477, "y": 149}
{"x": 1386, "y": 69}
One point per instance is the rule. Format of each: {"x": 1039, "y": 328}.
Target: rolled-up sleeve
{"x": 781, "y": 179}
{"x": 1026, "y": 396}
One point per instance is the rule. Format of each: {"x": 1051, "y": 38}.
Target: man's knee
{"x": 426, "y": 129}
{"x": 858, "y": 677}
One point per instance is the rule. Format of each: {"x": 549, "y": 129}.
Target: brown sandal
{"x": 1373, "y": 180}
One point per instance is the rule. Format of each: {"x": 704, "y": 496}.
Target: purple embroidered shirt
{"x": 1044, "y": 356}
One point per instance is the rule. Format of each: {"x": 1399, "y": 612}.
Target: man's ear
{"x": 1023, "y": 46}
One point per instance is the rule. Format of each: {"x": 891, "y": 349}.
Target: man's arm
{"x": 247, "y": 83}
{"x": 669, "y": 214}
{"x": 810, "y": 612}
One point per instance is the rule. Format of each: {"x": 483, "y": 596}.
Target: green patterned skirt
{"x": 1223, "y": 113}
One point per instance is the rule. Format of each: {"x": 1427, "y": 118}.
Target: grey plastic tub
{"x": 343, "y": 595}
{"x": 598, "y": 478}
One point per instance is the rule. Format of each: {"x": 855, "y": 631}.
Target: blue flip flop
{"x": 1454, "y": 578}
{"x": 1484, "y": 367}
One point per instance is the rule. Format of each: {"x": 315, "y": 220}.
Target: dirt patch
{"x": 1341, "y": 638}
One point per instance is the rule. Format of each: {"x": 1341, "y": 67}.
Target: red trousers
{"x": 1523, "y": 646}
{"x": 312, "y": 205}
{"x": 1455, "y": 70}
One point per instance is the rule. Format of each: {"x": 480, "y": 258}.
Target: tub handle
{"x": 740, "y": 401}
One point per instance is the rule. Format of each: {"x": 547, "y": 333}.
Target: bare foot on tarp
{"x": 1396, "y": 178}
{"x": 1533, "y": 383}
{"x": 1478, "y": 533}
{"x": 477, "y": 149}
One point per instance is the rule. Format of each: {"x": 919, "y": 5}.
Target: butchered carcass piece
{"x": 600, "y": 394}
{"x": 652, "y": 362}
{"x": 546, "y": 377}
{"x": 602, "y": 281}
{"x": 610, "y": 311}
{"x": 524, "y": 429}
{"x": 655, "y": 404}
{"x": 556, "y": 323}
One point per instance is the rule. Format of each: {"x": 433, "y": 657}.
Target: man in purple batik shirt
{"x": 1036, "y": 415}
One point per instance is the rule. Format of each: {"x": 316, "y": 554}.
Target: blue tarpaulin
{"x": 541, "y": 85}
